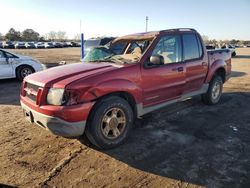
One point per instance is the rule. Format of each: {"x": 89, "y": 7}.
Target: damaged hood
{"x": 59, "y": 77}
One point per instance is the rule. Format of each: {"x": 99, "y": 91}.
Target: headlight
{"x": 55, "y": 96}
{"x": 43, "y": 66}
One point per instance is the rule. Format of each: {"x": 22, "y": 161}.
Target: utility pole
{"x": 80, "y": 27}
{"x": 82, "y": 41}
{"x": 146, "y": 23}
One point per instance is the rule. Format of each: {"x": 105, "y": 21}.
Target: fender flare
{"x": 216, "y": 65}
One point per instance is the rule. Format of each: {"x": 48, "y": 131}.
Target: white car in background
{"x": 40, "y": 45}
{"x": 17, "y": 66}
{"x": 231, "y": 48}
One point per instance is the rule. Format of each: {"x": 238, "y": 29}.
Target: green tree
{"x": 205, "y": 39}
{"x": 61, "y": 36}
{"x": 213, "y": 42}
{"x": 56, "y": 36}
{"x": 13, "y": 35}
{"x": 77, "y": 37}
{"x": 50, "y": 36}
{"x": 234, "y": 41}
{"x": 30, "y": 35}
{"x": 246, "y": 42}
{"x": 42, "y": 39}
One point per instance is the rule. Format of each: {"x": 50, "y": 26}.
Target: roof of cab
{"x": 149, "y": 35}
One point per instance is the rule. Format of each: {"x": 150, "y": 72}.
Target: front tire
{"x": 23, "y": 71}
{"x": 110, "y": 122}
{"x": 214, "y": 92}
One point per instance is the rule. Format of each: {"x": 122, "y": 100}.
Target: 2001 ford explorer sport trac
{"x": 134, "y": 75}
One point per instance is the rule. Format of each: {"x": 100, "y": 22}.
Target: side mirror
{"x": 157, "y": 60}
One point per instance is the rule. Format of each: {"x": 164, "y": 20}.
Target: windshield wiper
{"x": 101, "y": 60}
{"x": 110, "y": 59}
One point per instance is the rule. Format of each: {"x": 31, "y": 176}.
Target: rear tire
{"x": 214, "y": 92}
{"x": 110, "y": 122}
{"x": 23, "y": 71}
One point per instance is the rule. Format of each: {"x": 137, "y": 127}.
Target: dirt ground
{"x": 52, "y": 56}
{"x": 187, "y": 144}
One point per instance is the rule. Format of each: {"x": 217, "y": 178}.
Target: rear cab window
{"x": 118, "y": 48}
{"x": 191, "y": 46}
{"x": 106, "y": 41}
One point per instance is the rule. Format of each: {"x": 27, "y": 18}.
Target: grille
{"x": 32, "y": 86}
{"x": 31, "y": 97}
{"x": 31, "y": 91}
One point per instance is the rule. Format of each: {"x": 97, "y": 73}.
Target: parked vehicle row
{"x": 30, "y": 45}
{"x": 225, "y": 46}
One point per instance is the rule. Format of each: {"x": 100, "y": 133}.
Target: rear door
{"x": 196, "y": 61}
{"x": 6, "y": 69}
{"x": 164, "y": 82}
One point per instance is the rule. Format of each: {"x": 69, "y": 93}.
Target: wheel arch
{"x": 23, "y": 65}
{"x": 122, "y": 94}
{"x": 222, "y": 73}
{"x": 217, "y": 68}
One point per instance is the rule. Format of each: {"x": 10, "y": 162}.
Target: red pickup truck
{"x": 134, "y": 75}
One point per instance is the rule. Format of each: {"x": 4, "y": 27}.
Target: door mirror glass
{"x": 156, "y": 60}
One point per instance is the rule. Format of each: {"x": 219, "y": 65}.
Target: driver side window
{"x": 2, "y": 54}
{"x": 8, "y": 55}
{"x": 169, "y": 48}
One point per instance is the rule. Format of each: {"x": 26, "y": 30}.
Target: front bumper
{"x": 56, "y": 125}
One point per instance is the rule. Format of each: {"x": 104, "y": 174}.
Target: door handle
{"x": 178, "y": 69}
{"x": 204, "y": 64}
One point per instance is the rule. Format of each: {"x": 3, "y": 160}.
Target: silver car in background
{"x": 49, "y": 45}
{"x": 30, "y": 45}
{"x": 17, "y": 66}
{"x": 40, "y": 45}
{"x": 20, "y": 45}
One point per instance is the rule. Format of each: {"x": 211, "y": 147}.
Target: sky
{"x": 218, "y": 19}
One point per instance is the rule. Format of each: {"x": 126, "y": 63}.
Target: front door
{"x": 164, "y": 81}
{"x": 6, "y": 70}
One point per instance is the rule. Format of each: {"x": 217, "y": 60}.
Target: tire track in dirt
{"x": 59, "y": 167}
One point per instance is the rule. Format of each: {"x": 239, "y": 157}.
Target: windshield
{"x": 91, "y": 43}
{"x": 98, "y": 54}
{"x": 120, "y": 52}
